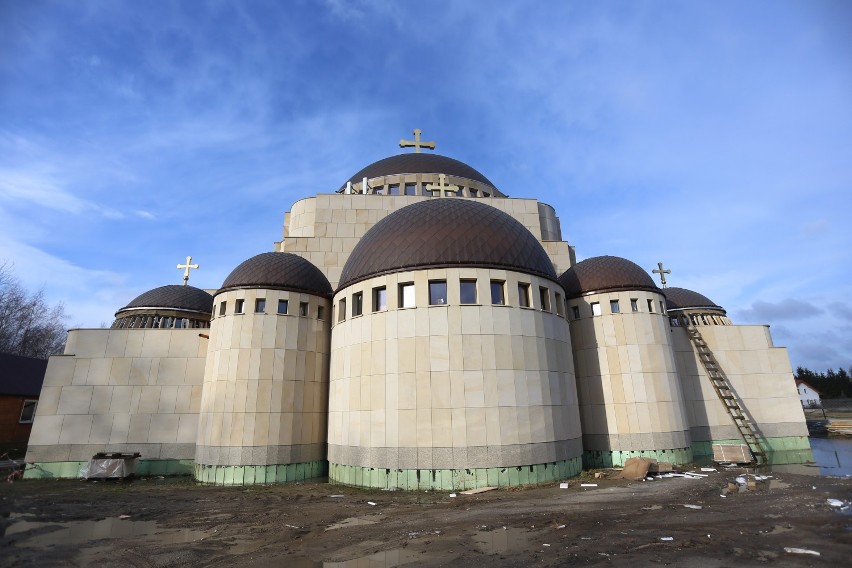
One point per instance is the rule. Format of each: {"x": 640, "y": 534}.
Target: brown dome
{"x": 172, "y": 297}
{"x": 605, "y": 274}
{"x": 447, "y": 232}
{"x": 683, "y": 299}
{"x": 419, "y": 164}
{"x": 278, "y": 271}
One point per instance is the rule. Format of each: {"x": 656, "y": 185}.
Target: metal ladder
{"x": 723, "y": 390}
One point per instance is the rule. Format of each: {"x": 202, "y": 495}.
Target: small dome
{"x": 419, "y": 164}
{"x": 446, "y": 232}
{"x": 278, "y": 271}
{"x": 605, "y": 274}
{"x": 683, "y": 299}
{"x": 173, "y": 297}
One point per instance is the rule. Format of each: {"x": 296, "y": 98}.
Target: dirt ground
{"x": 173, "y": 522}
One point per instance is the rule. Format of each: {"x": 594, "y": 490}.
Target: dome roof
{"x": 442, "y": 233}
{"x": 605, "y": 274}
{"x": 419, "y": 163}
{"x": 173, "y": 297}
{"x": 278, "y": 271}
{"x": 683, "y": 299}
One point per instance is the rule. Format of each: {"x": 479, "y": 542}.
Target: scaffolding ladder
{"x": 723, "y": 390}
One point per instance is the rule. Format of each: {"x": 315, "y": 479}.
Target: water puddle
{"x": 833, "y": 455}
{"x": 501, "y": 540}
{"x": 28, "y": 534}
{"x": 355, "y": 522}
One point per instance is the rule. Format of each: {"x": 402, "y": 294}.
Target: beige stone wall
{"x": 760, "y": 376}
{"x": 452, "y": 386}
{"x": 324, "y": 229}
{"x": 627, "y": 383}
{"x": 113, "y": 390}
{"x": 265, "y": 395}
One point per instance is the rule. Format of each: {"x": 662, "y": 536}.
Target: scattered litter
{"x": 452, "y": 494}
{"x": 652, "y": 508}
{"x": 292, "y": 527}
{"x": 698, "y": 507}
{"x": 666, "y": 538}
{"x": 370, "y": 503}
{"x": 723, "y": 496}
{"x": 794, "y": 550}
{"x": 124, "y": 516}
{"x": 696, "y": 474}
{"x": 599, "y": 475}
{"x": 561, "y": 527}
{"x": 708, "y": 469}
{"x": 741, "y": 480}
{"x": 588, "y": 485}
{"x": 545, "y": 545}
{"x": 835, "y": 503}
{"x": 649, "y": 478}
{"x": 479, "y": 490}
{"x": 636, "y": 468}
{"x": 335, "y": 496}
{"x": 563, "y": 486}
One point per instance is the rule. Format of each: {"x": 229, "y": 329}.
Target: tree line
{"x": 29, "y": 326}
{"x": 830, "y": 384}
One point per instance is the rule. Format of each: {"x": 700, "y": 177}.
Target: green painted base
{"x": 259, "y": 474}
{"x": 780, "y": 451}
{"x": 453, "y": 479}
{"x": 71, "y": 470}
{"x": 598, "y": 458}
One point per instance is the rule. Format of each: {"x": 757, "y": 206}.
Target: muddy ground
{"x": 173, "y": 522}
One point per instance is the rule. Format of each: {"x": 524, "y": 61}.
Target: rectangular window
{"x": 473, "y": 192}
{"x": 406, "y": 295}
{"x": 379, "y": 190}
{"x": 575, "y": 311}
{"x": 596, "y": 309}
{"x": 28, "y": 411}
{"x": 222, "y": 307}
{"x": 303, "y": 309}
{"x": 437, "y": 292}
{"x": 380, "y": 299}
{"x": 498, "y": 295}
{"x": 544, "y": 296}
{"x": 559, "y": 305}
{"x": 662, "y": 307}
{"x": 320, "y": 312}
{"x": 282, "y": 307}
{"x": 651, "y": 306}
{"x": 341, "y": 310}
{"x": 423, "y": 190}
{"x": 238, "y": 308}
{"x": 393, "y": 189}
{"x": 634, "y": 304}
{"x": 410, "y": 189}
{"x": 467, "y": 291}
{"x": 357, "y": 303}
{"x": 523, "y": 294}
{"x": 260, "y": 305}
{"x": 613, "y": 307}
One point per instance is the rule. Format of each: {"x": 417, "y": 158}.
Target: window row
{"x": 468, "y": 295}
{"x": 152, "y": 321}
{"x": 615, "y": 307}
{"x": 702, "y": 319}
{"x": 426, "y": 188}
{"x": 283, "y": 308}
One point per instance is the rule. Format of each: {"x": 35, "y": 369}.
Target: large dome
{"x": 605, "y": 274}
{"x": 172, "y": 297}
{"x": 278, "y": 271}
{"x": 683, "y": 299}
{"x": 444, "y": 233}
{"x": 418, "y": 163}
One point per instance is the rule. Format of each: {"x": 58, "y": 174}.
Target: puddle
{"x": 833, "y": 455}
{"x": 501, "y": 541}
{"x": 355, "y": 522}
{"x": 82, "y": 532}
{"x": 384, "y": 559}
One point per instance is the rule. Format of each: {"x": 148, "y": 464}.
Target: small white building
{"x": 808, "y": 395}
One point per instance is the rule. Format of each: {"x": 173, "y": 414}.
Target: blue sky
{"x": 713, "y": 136}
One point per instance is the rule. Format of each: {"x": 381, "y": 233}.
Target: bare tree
{"x": 28, "y": 325}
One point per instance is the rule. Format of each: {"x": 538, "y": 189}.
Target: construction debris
{"x": 794, "y": 550}
{"x": 637, "y": 469}
{"x": 479, "y": 490}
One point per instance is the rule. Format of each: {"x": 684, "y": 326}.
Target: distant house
{"x": 808, "y": 395}
{"x": 20, "y": 384}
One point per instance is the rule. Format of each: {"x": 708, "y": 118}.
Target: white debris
{"x": 545, "y": 545}
{"x": 452, "y": 494}
{"x": 666, "y": 538}
{"x": 708, "y": 469}
{"x": 563, "y": 486}
{"x": 561, "y": 527}
{"x": 696, "y": 474}
{"x": 741, "y": 480}
{"x": 335, "y": 496}
{"x": 835, "y": 503}
{"x": 588, "y": 485}
{"x": 794, "y": 550}
{"x": 698, "y": 507}
{"x": 371, "y": 504}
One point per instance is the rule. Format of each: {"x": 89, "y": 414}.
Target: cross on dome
{"x": 416, "y": 143}
{"x": 186, "y": 268}
{"x": 442, "y": 188}
{"x": 662, "y": 272}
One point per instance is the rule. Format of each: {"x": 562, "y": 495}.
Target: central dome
{"x": 446, "y": 232}
{"x": 419, "y": 164}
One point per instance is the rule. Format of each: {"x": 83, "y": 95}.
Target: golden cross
{"x": 186, "y": 268}
{"x": 443, "y": 189}
{"x": 662, "y": 272}
{"x": 416, "y": 143}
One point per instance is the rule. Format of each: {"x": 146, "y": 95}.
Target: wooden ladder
{"x": 723, "y": 390}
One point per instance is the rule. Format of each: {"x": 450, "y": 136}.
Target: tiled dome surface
{"x": 446, "y": 232}
{"x": 419, "y": 164}
{"x": 605, "y": 274}
{"x": 682, "y": 299}
{"x": 278, "y": 271}
{"x": 175, "y": 297}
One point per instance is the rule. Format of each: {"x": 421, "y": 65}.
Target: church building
{"x": 416, "y": 328}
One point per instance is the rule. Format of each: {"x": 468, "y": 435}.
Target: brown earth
{"x": 173, "y": 522}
